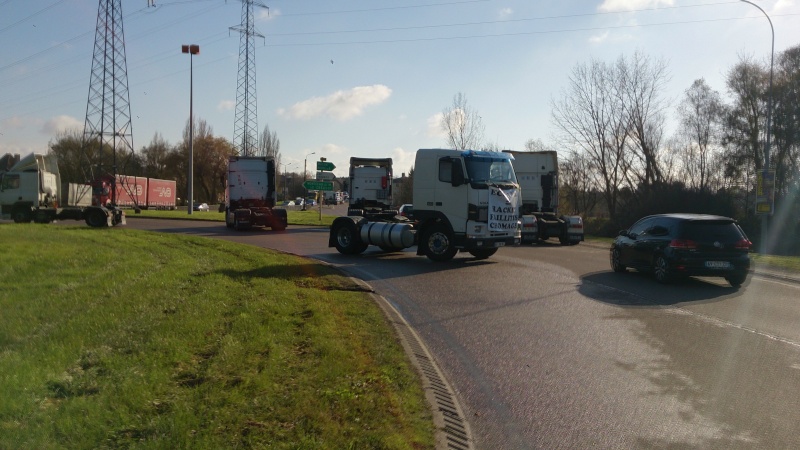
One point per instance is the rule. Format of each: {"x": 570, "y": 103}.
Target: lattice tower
{"x": 108, "y": 111}
{"x": 245, "y": 126}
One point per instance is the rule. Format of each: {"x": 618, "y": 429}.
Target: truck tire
{"x": 438, "y": 243}
{"x": 228, "y": 221}
{"x": 347, "y": 239}
{"x": 22, "y": 215}
{"x": 483, "y": 253}
{"x": 96, "y": 218}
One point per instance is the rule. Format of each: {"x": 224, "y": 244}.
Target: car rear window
{"x": 711, "y": 230}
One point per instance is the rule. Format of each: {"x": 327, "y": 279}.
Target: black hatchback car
{"x": 679, "y": 245}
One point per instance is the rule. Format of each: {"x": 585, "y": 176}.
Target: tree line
{"x": 81, "y": 161}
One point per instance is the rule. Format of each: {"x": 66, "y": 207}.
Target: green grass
{"x": 308, "y": 217}
{"x": 122, "y": 338}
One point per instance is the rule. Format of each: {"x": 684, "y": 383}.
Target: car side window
{"x": 639, "y": 227}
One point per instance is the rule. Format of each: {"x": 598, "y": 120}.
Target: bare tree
{"x": 154, "y": 157}
{"x": 700, "y": 115}
{"x": 591, "y": 116}
{"x": 269, "y": 144}
{"x": 642, "y": 82}
{"x": 462, "y": 124}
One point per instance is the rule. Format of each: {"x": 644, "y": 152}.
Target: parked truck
{"x": 537, "y": 173}
{"x": 250, "y": 198}
{"x": 370, "y": 188}
{"x": 29, "y": 191}
{"x": 464, "y": 201}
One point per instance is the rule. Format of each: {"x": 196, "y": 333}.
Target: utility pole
{"x": 245, "y": 127}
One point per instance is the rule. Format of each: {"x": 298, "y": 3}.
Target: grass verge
{"x": 308, "y": 217}
{"x": 123, "y": 338}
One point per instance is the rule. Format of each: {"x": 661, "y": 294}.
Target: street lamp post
{"x": 305, "y": 177}
{"x": 285, "y": 182}
{"x": 191, "y": 50}
{"x": 765, "y": 217}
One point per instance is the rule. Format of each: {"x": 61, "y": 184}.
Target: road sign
{"x": 312, "y": 185}
{"x": 324, "y": 165}
{"x": 325, "y": 176}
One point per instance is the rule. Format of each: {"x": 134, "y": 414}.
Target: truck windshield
{"x": 483, "y": 170}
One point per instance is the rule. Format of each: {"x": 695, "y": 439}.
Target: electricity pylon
{"x": 108, "y": 109}
{"x": 245, "y": 126}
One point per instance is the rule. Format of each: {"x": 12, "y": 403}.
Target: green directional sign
{"x": 324, "y": 165}
{"x": 312, "y": 185}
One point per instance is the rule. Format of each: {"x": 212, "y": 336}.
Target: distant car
{"x": 311, "y": 202}
{"x": 200, "y": 207}
{"x": 287, "y": 203}
{"x": 406, "y": 210}
{"x": 672, "y": 246}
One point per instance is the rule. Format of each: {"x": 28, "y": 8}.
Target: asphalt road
{"x": 545, "y": 347}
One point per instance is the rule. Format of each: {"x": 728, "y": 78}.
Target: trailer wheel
{"x": 96, "y": 218}
{"x": 483, "y": 253}
{"x": 438, "y": 243}
{"x": 22, "y": 215}
{"x": 347, "y": 240}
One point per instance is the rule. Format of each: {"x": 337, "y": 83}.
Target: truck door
{"x": 449, "y": 200}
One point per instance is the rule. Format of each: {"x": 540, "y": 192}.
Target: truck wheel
{"x": 96, "y": 218}
{"x": 438, "y": 243}
{"x": 228, "y": 221}
{"x": 347, "y": 240}
{"x": 22, "y": 216}
{"x": 483, "y": 253}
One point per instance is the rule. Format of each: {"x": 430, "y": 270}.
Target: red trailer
{"x": 131, "y": 191}
{"x": 161, "y": 194}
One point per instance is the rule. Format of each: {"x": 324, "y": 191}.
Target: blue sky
{"x": 367, "y": 78}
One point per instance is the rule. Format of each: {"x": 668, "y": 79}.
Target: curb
{"x": 452, "y": 430}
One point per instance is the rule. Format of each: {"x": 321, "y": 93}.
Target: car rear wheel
{"x": 662, "y": 271}
{"x": 737, "y": 279}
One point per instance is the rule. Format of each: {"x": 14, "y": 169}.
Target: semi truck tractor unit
{"x": 464, "y": 201}
{"x": 30, "y": 191}
{"x": 370, "y": 188}
{"x": 250, "y": 197}
{"x": 537, "y": 173}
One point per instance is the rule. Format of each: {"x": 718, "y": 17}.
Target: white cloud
{"x": 60, "y": 124}
{"x": 599, "y": 38}
{"x": 783, "y": 4}
{"x": 505, "y": 13}
{"x": 402, "y": 161}
{"x": 434, "y": 128}
{"x": 628, "y": 5}
{"x": 341, "y": 105}
{"x": 14, "y": 122}
{"x": 328, "y": 149}
{"x": 268, "y": 14}
{"x": 226, "y": 105}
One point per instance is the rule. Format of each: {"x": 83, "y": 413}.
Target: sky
{"x": 364, "y": 78}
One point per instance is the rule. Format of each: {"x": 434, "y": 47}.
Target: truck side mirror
{"x": 456, "y": 174}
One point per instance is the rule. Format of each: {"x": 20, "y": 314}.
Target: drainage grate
{"x": 452, "y": 431}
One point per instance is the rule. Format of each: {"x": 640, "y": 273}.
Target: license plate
{"x": 499, "y": 244}
{"x": 718, "y": 264}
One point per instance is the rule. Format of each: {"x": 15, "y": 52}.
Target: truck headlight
{"x": 478, "y": 213}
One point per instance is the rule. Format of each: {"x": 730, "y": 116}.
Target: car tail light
{"x": 687, "y": 244}
{"x": 743, "y": 244}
